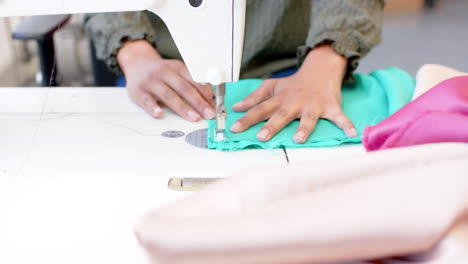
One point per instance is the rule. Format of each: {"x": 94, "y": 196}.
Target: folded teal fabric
{"x": 366, "y": 101}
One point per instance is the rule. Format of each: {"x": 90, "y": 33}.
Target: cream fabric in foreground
{"x": 389, "y": 203}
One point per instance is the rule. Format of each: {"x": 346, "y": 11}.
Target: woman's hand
{"x": 152, "y": 80}
{"x": 313, "y": 92}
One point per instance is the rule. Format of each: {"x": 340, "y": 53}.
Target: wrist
{"x": 325, "y": 59}
{"x": 133, "y": 51}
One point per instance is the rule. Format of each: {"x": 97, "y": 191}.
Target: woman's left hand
{"x": 312, "y": 93}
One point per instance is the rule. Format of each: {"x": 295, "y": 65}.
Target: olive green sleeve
{"x": 353, "y": 27}
{"x": 108, "y": 31}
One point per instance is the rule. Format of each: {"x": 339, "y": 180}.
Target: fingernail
{"x": 157, "y": 111}
{"x": 352, "y": 132}
{"x": 299, "y": 137}
{"x": 209, "y": 114}
{"x": 263, "y": 134}
{"x": 236, "y": 127}
{"x": 193, "y": 116}
{"x": 239, "y": 104}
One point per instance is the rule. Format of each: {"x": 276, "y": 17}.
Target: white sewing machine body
{"x": 208, "y": 33}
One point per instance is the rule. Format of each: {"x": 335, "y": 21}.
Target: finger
{"x": 204, "y": 89}
{"x": 262, "y": 93}
{"x": 207, "y": 93}
{"x": 255, "y": 115}
{"x": 342, "y": 121}
{"x": 307, "y": 125}
{"x": 145, "y": 100}
{"x": 183, "y": 70}
{"x": 150, "y": 105}
{"x": 190, "y": 94}
{"x": 174, "y": 102}
{"x": 280, "y": 119}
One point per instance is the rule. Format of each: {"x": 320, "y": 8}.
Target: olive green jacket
{"x": 278, "y": 33}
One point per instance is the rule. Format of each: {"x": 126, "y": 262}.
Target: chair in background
{"x": 430, "y": 3}
{"x": 42, "y": 29}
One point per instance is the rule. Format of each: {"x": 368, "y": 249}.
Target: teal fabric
{"x": 366, "y": 101}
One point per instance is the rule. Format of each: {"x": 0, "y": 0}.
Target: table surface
{"x": 78, "y": 166}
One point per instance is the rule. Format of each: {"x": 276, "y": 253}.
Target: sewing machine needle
{"x": 221, "y": 115}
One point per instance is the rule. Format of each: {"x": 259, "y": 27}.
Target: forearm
{"x": 109, "y": 31}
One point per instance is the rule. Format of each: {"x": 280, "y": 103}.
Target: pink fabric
{"x": 439, "y": 115}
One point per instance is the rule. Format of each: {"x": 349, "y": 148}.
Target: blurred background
{"x": 415, "y": 32}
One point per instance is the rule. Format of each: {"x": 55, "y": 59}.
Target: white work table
{"x": 78, "y": 166}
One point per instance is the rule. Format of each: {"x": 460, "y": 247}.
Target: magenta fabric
{"x": 439, "y": 115}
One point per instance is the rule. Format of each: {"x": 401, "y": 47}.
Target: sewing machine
{"x": 208, "y": 33}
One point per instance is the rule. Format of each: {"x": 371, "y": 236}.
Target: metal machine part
{"x": 196, "y": 3}
{"x": 198, "y": 138}
{"x": 221, "y": 114}
{"x": 173, "y": 134}
{"x": 190, "y": 184}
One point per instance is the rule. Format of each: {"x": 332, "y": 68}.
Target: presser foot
{"x": 219, "y": 135}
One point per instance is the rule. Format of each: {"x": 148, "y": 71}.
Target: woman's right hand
{"x": 153, "y": 80}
